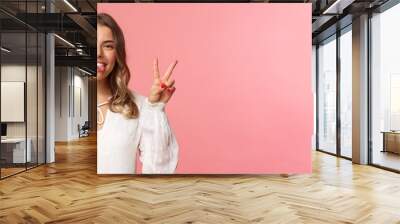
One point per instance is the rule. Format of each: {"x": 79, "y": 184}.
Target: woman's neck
{"x": 103, "y": 91}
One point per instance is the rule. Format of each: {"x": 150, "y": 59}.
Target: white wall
{"x": 70, "y": 83}
{"x": 9, "y": 73}
{"x": 61, "y": 103}
{"x": 15, "y": 72}
{"x": 33, "y": 127}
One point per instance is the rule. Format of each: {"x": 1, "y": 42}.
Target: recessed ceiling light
{"x": 5, "y": 50}
{"x": 64, "y": 40}
{"x": 337, "y": 7}
{"x": 70, "y": 5}
{"x": 84, "y": 71}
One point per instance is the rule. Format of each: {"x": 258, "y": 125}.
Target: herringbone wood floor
{"x": 69, "y": 191}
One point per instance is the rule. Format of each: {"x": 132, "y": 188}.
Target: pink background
{"x": 243, "y": 102}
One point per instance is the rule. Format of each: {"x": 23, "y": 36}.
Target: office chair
{"x": 84, "y": 130}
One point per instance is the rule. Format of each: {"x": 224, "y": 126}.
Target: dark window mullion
{"x": 338, "y": 91}
{"x": 37, "y": 90}
{"x": 0, "y": 100}
{"x": 369, "y": 91}
{"x": 317, "y": 96}
{"x": 26, "y": 87}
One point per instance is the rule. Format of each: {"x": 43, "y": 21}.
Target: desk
{"x": 391, "y": 141}
{"x": 16, "y": 147}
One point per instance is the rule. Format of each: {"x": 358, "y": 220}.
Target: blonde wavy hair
{"x": 122, "y": 100}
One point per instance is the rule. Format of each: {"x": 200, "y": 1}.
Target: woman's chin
{"x": 101, "y": 76}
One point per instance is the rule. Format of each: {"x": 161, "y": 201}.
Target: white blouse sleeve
{"x": 158, "y": 146}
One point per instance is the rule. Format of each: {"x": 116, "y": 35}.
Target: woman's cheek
{"x": 109, "y": 69}
{"x": 111, "y": 61}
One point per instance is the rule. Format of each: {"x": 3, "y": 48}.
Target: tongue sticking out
{"x": 100, "y": 67}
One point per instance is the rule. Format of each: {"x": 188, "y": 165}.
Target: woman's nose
{"x": 99, "y": 52}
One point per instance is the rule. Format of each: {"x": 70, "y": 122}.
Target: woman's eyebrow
{"x": 108, "y": 41}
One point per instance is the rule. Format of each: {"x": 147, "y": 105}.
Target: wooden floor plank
{"x": 70, "y": 191}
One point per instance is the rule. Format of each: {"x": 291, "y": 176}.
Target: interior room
{"x": 39, "y": 72}
{"x": 22, "y": 97}
{"x": 48, "y": 151}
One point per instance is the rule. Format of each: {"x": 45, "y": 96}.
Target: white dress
{"x": 120, "y": 138}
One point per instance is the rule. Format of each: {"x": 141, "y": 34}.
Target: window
{"x": 385, "y": 88}
{"x": 346, "y": 74}
{"x": 327, "y": 95}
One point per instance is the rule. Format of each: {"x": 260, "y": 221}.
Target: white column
{"x": 360, "y": 90}
{"x": 50, "y": 110}
{"x": 50, "y": 93}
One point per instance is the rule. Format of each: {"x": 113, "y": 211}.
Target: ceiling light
{"x": 65, "y": 41}
{"x": 70, "y": 5}
{"x": 5, "y": 50}
{"x": 84, "y": 71}
{"x": 337, "y": 7}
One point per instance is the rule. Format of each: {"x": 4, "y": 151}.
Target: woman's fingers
{"x": 156, "y": 72}
{"x": 167, "y": 95}
{"x": 172, "y": 90}
{"x": 169, "y": 71}
{"x": 164, "y": 87}
{"x": 160, "y": 88}
{"x": 170, "y": 83}
{"x": 168, "y": 86}
{"x": 168, "y": 89}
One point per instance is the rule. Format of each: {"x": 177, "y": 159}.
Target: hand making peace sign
{"x": 162, "y": 88}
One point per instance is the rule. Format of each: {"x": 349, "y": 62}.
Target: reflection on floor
{"x": 346, "y": 152}
{"x": 70, "y": 191}
{"x": 10, "y": 169}
{"x": 387, "y": 159}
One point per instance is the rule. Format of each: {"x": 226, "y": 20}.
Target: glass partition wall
{"x": 22, "y": 77}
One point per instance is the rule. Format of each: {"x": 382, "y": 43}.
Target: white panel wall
{"x": 12, "y": 101}
{"x": 71, "y": 101}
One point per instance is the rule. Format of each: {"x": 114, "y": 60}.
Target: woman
{"x": 126, "y": 120}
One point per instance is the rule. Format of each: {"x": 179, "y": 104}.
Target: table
{"x": 16, "y": 147}
{"x": 391, "y": 141}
